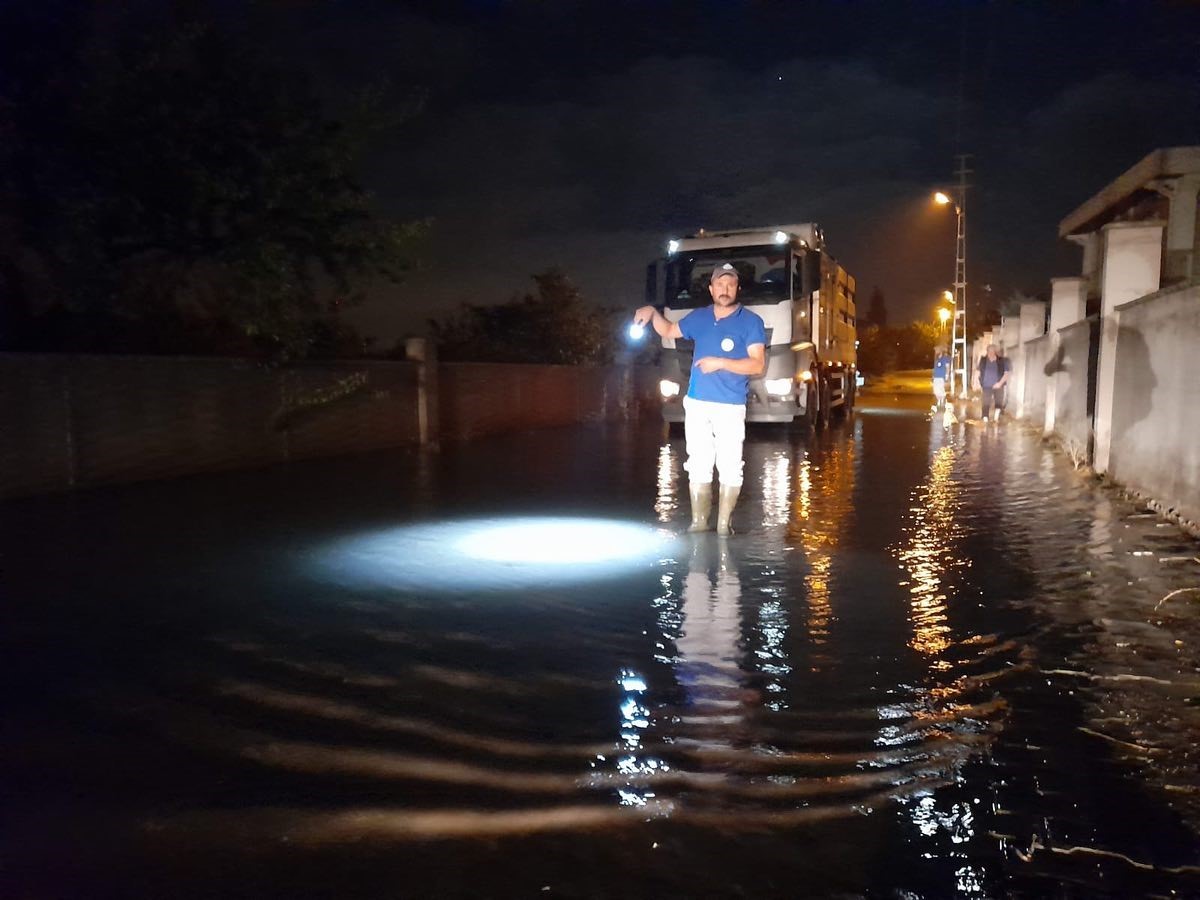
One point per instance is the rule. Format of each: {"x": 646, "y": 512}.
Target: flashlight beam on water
{"x": 496, "y": 553}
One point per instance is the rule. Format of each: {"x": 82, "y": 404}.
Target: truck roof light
{"x": 672, "y": 245}
{"x": 781, "y": 237}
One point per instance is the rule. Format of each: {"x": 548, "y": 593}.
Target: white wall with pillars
{"x": 1155, "y": 435}
{"x": 1132, "y": 268}
{"x": 1119, "y": 388}
{"x": 1031, "y": 324}
{"x": 1068, "y": 305}
{"x": 1068, "y": 302}
{"x": 1183, "y": 235}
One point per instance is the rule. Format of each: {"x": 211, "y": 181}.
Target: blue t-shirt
{"x": 941, "y": 367}
{"x": 729, "y": 337}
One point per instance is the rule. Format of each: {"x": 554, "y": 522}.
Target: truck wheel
{"x": 847, "y": 406}
{"x": 810, "y": 407}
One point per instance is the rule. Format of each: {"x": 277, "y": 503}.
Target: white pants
{"x": 939, "y": 390}
{"x": 715, "y": 433}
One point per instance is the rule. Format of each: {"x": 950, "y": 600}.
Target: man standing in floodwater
{"x": 992, "y": 378}
{"x": 730, "y": 347}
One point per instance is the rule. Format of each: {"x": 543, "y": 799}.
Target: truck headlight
{"x": 668, "y": 388}
{"x": 780, "y": 387}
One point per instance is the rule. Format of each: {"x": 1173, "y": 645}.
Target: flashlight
{"x": 637, "y": 332}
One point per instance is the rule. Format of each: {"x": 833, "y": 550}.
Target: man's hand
{"x": 710, "y": 364}
{"x": 663, "y": 327}
{"x": 643, "y": 315}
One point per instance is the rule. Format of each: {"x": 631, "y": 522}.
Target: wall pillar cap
{"x": 1144, "y": 223}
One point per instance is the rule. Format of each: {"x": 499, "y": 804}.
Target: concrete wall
{"x": 1034, "y": 378}
{"x": 1072, "y": 390}
{"x": 1139, "y": 279}
{"x": 68, "y": 421}
{"x": 485, "y": 398}
{"x": 1068, "y": 305}
{"x": 1155, "y": 443}
{"x": 1028, "y": 325}
{"x": 91, "y": 420}
{"x": 1132, "y": 269}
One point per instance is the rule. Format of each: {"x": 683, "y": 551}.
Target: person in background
{"x": 941, "y": 371}
{"x": 730, "y": 343}
{"x": 992, "y": 378}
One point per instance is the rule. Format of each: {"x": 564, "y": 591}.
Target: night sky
{"x": 583, "y": 135}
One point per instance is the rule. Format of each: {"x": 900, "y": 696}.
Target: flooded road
{"x": 933, "y": 661}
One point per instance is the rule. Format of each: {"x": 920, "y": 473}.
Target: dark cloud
{"x": 591, "y": 167}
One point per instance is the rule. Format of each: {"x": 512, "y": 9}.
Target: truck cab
{"x": 805, "y": 299}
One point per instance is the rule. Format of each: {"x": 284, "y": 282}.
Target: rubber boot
{"x": 729, "y": 498}
{"x": 701, "y": 505}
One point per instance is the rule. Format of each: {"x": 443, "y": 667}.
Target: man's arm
{"x": 663, "y": 327}
{"x": 752, "y": 364}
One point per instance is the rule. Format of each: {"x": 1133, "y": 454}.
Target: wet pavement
{"x": 934, "y": 661}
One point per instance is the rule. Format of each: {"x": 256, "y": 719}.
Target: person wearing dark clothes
{"x": 992, "y": 379}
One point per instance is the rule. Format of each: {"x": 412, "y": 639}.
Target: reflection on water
{"x": 819, "y": 521}
{"x": 776, "y": 485}
{"x": 930, "y": 552}
{"x": 700, "y": 615}
{"x": 846, "y": 696}
{"x": 816, "y": 543}
{"x": 666, "y": 500}
{"x": 708, "y": 664}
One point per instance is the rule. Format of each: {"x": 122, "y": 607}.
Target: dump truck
{"x": 805, "y": 299}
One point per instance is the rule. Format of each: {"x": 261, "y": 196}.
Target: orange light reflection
{"x": 820, "y": 514}
{"x": 929, "y": 554}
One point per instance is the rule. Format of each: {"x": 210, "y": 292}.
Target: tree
{"x": 555, "y": 325}
{"x": 168, "y": 191}
{"x": 907, "y": 347}
{"x": 877, "y": 350}
{"x": 876, "y": 310}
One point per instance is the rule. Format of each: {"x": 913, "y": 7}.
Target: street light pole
{"x": 958, "y": 344}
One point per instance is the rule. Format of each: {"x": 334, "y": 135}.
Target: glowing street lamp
{"x": 944, "y": 314}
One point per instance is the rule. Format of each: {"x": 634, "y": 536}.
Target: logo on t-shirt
{"x": 727, "y": 344}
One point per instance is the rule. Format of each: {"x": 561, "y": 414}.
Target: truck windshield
{"x": 762, "y": 275}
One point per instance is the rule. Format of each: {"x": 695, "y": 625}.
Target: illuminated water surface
{"x": 907, "y": 675}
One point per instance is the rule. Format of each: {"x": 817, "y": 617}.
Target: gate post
{"x": 424, "y": 353}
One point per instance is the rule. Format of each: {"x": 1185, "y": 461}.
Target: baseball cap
{"x": 723, "y": 269}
